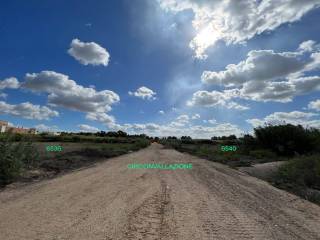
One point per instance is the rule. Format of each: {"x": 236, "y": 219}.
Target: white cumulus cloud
{"x": 87, "y": 128}
{"x": 314, "y": 105}
{"x": 235, "y": 21}
{"x": 46, "y": 128}
{"x": 266, "y": 75}
{"x": 195, "y": 116}
{"x": 307, "y": 46}
{"x": 176, "y": 129}
{"x": 183, "y": 118}
{"x": 144, "y": 93}
{"x": 214, "y": 99}
{"x": 260, "y": 65}
{"x": 89, "y": 53}
{"x": 212, "y": 121}
{"x": 28, "y": 110}
{"x": 294, "y": 117}
{"x": 11, "y": 82}
{"x": 67, "y": 93}
{"x": 104, "y": 118}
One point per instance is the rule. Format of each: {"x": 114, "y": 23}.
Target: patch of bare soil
{"x": 263, "y": 171}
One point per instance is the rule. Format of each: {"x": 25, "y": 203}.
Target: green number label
{"x": 54, "y": 148}
{"x": 228, "y": 148}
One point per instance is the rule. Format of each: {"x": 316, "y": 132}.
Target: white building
{"x": 3, "y": 126}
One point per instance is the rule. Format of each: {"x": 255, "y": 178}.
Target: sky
{"x": 201, "y": 68}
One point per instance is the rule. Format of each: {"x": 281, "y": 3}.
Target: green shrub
{"x": 263, "y": 153}
{"x": 10, "y": 162}
{"x": 302, "y": 172}
{"x": 141, "y": 143}
{"x": 30, "y": 156}
{"x": 14, "y": 157}
{"x": 76, "y": 139}
{"x": 247, "y": 143}
{"x": 288, "y": 139}
{"x": 203, "y": 141}
{"x": 204, "y": 151}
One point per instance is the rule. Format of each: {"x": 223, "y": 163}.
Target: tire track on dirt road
{"x": 258, "y": 202}
{"x": 151, "y": 220}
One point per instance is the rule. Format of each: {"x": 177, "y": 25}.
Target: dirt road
{"x": 110, "y": 201}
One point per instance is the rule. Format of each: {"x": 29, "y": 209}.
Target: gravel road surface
{"x": 109, "y": 201}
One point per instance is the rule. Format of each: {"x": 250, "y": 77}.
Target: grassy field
{"x": 75, "y": 155}
{"x": 242, "y": 157}
{"x": 29, "y": 160}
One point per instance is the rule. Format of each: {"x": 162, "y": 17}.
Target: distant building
{"x": 4, "y": 127}
{"x": 20, "y": 130}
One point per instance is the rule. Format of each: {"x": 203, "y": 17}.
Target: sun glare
{"x": 206, "y": 36}
{"x": 204, "y": 39}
